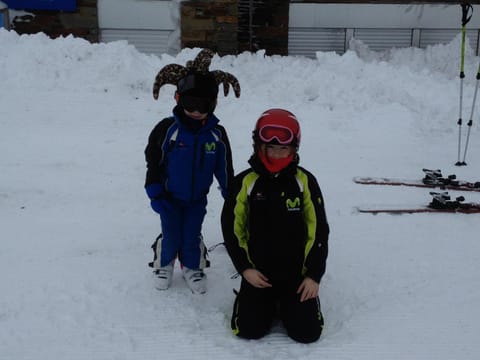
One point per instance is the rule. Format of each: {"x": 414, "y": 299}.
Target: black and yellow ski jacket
{"x": 276, "y": 223}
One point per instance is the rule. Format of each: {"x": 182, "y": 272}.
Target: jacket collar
{"x": 259, "y": 168}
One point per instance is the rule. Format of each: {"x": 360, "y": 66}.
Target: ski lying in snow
{"x": 432, "y": 179}
{"x": 441, "y": 203}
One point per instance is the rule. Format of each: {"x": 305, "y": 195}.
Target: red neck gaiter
{"x": 275, "y": 165}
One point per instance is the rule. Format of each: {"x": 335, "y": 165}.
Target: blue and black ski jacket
{"x": 182, "y": 160}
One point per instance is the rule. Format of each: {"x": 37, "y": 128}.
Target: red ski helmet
{"x": 277, "y": 126}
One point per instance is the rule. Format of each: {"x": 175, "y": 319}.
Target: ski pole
{"x": 470, "y": 121}
{"x": 466, "y": 8}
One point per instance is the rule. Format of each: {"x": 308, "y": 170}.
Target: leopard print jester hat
{"x": 173, "y": 73}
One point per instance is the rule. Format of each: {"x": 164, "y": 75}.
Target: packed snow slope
{"x": 76, "y": 226}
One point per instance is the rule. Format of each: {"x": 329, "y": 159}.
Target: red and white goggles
{"x": 270, "y": 133}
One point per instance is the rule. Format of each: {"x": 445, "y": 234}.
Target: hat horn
{"x": 169, "y": 74}
{"x": 227, "y": 79}
{"x": 202, "y": 61}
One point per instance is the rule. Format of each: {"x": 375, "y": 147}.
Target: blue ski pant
{"x": 181, "y": 228}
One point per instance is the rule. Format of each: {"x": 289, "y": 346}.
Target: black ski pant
{"x": 256, "y": 308}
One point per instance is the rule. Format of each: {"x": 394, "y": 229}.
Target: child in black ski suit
{"x": 276, "y": 233}
{"x": 184, "y": 153}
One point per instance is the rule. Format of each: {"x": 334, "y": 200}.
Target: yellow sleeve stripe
{"x": 240, "y": 212}
{"x": 309, "y": 214}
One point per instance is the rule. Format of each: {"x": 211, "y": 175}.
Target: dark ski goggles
{"x": 282, "y": 134}
{"x": 193, "y": 103}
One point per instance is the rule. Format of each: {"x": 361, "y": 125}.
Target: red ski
{"x": 440, "y": 203}
{"x": 432, "y": 179}
{"x": 473, "y": 209}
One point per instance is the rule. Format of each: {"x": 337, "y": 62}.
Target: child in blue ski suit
{"x": 184, "y": 153}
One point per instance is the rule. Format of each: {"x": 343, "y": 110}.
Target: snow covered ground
{"x": 76, "y": 226}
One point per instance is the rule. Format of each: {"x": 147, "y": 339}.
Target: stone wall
{"x": 233, "y": 26}
{"x": 210, "y": 24}
{"x": 81, "y": 23}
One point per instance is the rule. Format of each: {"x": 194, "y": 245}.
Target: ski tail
{"x": 441, "y": 203}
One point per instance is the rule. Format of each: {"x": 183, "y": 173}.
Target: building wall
{"x": 330, "y": 27}
{"x": 81, "y": 23}
{"x": 151, "y": 26}
{"x": 379, "y": 2}
{"x": 263, "y": 24}
{"x": 233, "y": 26}
{"x": 210, "y": 24}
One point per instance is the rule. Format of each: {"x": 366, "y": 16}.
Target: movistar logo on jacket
{"x": 210, "y": 148}
{"x": 293, "y": 205}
